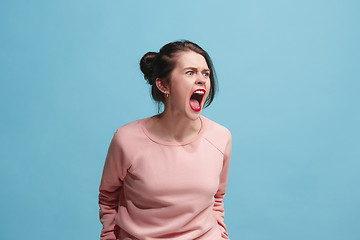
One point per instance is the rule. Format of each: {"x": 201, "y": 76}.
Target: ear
{"x": 162, "y": 86}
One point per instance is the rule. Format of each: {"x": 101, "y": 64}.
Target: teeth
{"x": 199, "y": 92}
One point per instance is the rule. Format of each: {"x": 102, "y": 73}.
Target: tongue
{"x": 195, "y": 105}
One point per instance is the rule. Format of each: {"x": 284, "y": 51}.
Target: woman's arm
{"x": 220, "y": 194}
{"x": 110, "y": 187}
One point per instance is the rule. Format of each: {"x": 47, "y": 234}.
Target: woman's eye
{"x": 206, "y": 74}
{"x": 189, "y": 73}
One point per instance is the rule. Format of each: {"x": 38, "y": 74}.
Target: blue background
{"x": 289, "y": 92}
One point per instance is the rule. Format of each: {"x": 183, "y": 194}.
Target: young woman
{"x": 165, "y": 176}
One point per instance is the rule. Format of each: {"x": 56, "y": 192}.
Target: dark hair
{"x": 160, "y": 65}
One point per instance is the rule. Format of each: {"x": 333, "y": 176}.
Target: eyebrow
{"x": 195, "y": 69}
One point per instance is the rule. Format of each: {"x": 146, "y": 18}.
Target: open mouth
{"x": 196, "y": 99}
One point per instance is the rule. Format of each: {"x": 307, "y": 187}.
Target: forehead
{"x": 190, "y": 59}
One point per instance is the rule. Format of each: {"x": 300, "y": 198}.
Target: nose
{"x": 200, "y": 80}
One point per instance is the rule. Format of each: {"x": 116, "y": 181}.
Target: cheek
{"x": 208, "y": 85}
{"x": 180, "y": 87}
{"x": 179, "y": 94}
{"x": 178, "y": 91}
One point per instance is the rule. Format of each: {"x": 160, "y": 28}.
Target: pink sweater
{"x": 151, "y": 189}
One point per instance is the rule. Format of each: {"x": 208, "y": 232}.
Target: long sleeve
{"x": 148, "y": 191}
{"x": 219, "y": 196}
{"x": 110, "y": 186}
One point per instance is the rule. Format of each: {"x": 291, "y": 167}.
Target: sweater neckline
{"x": 163, "y": 142}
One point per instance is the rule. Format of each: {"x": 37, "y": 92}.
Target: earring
{"x": 167, "y": 95}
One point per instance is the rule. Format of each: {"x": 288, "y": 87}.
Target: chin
{"x": 193, "y": 115}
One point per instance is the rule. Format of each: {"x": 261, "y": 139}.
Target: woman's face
{"x": 189, "y": 84}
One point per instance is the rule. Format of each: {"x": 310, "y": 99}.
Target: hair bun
{"x": 146, "y": 66}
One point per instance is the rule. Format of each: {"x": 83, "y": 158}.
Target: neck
{"x": 174, "y": 127}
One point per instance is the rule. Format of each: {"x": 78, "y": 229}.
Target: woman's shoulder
{"x": 214, "y": 128}
{"x": 129, "y": 126}
{"x": 218, "y": 135}
{"x": 129, "y": 131}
